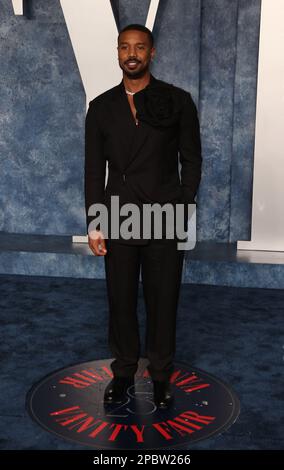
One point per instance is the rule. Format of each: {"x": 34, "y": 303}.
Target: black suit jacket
{"x": 142, "y": 160}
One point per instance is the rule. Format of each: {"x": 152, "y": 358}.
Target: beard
{"x": 134, "y": 74}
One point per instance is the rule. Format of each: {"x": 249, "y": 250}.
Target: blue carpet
{"x": 233, "y": 333}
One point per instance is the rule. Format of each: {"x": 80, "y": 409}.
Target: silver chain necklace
{"x": 130, "y": 92}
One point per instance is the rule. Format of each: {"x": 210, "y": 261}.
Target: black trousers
{"x": 161, "y": 266}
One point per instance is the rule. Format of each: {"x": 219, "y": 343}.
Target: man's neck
{"x": 136, "y": 84}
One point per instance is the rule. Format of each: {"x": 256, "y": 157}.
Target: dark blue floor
{"x": 235, "y": 334}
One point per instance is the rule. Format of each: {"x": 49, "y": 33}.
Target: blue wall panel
{"x": 244, "y": 119}
{"x": 208, "y": 47}
{"x": 217, "y": 72}
{"x": 42, "y": 124}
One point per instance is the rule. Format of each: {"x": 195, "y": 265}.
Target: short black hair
{"x": 139, "y": 27}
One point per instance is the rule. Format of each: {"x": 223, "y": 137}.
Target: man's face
{"x": 134, "y": 53}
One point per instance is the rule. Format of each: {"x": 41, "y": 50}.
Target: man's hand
{"x": 97, "y": 242}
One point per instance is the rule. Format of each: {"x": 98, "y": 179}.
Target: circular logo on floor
{"x": 70, "y": 403}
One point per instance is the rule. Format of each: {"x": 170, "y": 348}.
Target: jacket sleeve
{"x": 189, "y": 150}
{"x": 95, "y": 162}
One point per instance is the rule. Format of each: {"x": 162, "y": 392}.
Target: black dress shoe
{"x": 163, "y": 396}
{"x": 115, "y": 391}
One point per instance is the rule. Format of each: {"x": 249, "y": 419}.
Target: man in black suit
{"x": 141, "y": 127}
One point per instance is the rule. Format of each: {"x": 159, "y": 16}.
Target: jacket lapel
{"x": 132, "y": 137}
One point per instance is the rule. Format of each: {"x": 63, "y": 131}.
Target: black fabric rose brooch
{"x": 156, "y": 106}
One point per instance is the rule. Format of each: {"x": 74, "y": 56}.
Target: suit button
{"x": 124, "y": 177}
